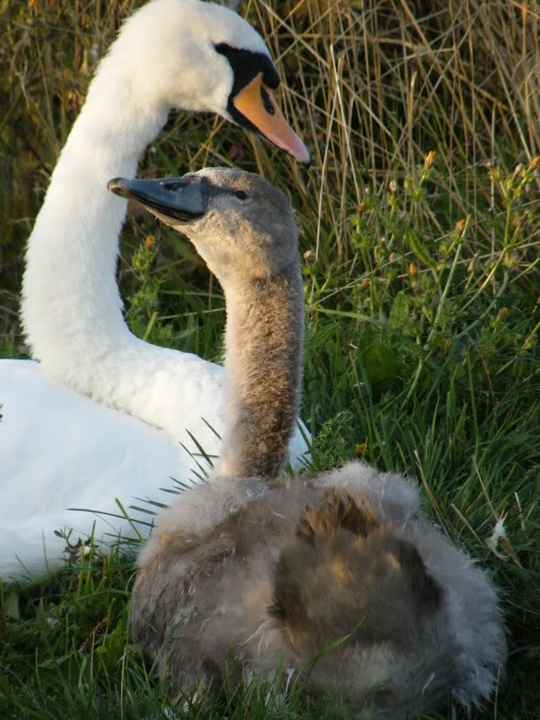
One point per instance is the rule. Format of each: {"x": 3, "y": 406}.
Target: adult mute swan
{"x": 59, "y": 449}
{"x": 247, "y": 574}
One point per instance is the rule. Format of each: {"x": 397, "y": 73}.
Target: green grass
{"x": 421, "y": 285}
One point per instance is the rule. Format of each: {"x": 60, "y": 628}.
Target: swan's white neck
{"x": 72, "y": 311}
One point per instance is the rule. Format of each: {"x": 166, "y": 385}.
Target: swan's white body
{"x": 72, "y": 310}
{"x": 61, "y": 450}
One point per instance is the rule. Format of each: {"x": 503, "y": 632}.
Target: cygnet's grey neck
{"x": 264, "y": 341}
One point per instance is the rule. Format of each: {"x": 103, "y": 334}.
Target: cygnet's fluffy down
{"x": 255, "y": 575}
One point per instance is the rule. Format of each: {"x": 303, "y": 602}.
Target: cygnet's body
{"x": 232, "y": 579}
{"x": 258, "y": 574}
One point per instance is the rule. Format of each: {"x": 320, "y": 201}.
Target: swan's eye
{"x": 241, "y": 195}
{"x": 267, "y": 102}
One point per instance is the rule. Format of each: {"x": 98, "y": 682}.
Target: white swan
{"x": 59, "y": 449}
{"x": 239, "y": 576}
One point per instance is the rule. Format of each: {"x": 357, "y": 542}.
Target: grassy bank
{"x": 419, "y": 231}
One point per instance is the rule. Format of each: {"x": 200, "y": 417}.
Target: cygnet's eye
{"x": 241, "y": 195}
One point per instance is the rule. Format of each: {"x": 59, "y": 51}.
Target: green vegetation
{"x": 419, "y": 227}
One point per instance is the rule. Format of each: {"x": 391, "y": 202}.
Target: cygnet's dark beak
{"x": 173, "y": 200}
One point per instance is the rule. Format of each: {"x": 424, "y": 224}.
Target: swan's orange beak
{"x": 256, "y": 102}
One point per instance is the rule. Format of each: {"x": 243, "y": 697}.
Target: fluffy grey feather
{"x": 228, "y": 577}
